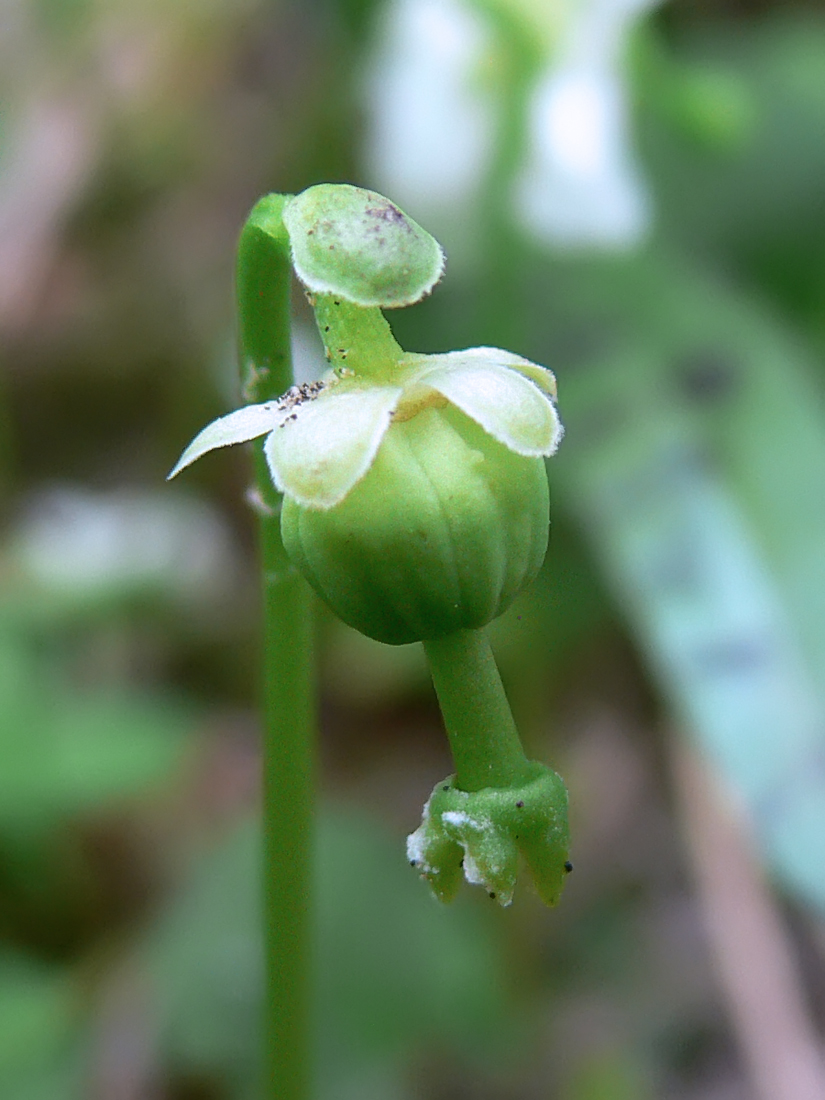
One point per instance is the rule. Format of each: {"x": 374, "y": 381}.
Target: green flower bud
{"x": 445, "y": 529}
{"x": 483, "y": 835}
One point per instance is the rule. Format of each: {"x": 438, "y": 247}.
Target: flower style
{"x": 322, "y": 437}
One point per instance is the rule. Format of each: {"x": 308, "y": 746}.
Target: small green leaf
{"x": 359, "y": 245}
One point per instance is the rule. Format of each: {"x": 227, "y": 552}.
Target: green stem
{"x": 483, "y": 737}
{"x": 356, "y": 338}
{"x": 263, "y": 293}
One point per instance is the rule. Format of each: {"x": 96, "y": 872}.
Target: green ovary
{"x": 442, "y": 533}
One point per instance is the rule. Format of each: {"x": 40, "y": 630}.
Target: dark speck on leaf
{"x": 568, "y": 866}
{"x": 492, "y": 894}
{"x": 519, "y": 805}
{"x": 446, "y": 787}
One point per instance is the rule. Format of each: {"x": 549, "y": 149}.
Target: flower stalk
{"x": 499, "y": 809}
{"x": 484, "y": 741}
{"x": 263, "y": 279}
{"x": 357, "y": 339}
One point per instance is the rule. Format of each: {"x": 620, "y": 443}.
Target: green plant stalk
{"x": 263, "y": 279}
{"x": 356, "y": 338}
{"x": 484, "y": 741}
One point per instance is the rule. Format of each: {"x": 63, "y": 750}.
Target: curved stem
{"x": 483, "y": 737}
{"x": 263, "y": 280}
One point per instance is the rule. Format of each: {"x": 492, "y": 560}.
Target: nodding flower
{"x": 417, "y": 506}
{"x": 323, "y": 437}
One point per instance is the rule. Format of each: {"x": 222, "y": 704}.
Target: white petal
{"x": 502, "y": 400}
{"x": 237, "y": 427}
{"x": 318, "y": 456}
{"x": 494, "y": 357}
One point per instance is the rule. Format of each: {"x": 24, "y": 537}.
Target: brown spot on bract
{"x": 388, "y": 213}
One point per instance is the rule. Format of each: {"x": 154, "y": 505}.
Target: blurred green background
{"x": 629, "y": 193}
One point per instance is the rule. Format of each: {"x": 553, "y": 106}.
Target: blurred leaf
{"x": 365, "y": 672}
{"x": 764, "y": 83}
{"x": 64, "y": 752}
{"x": 112, "y": 746}
{"x": 38, "y": 1023}
{"x": 206, "y": 959}
{"x": 609, "y": 1075}
{"x": 397, "y": 972}
{"x": 706, "y": 523}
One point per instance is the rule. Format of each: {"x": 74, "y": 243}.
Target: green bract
{"x": 358, "y": 244}
{"x": 483, "y": 835}
{"x": 442, "y": 533}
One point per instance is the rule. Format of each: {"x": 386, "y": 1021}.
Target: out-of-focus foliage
{"x": 629, "y": 194}
{"x": 393, "y": 970}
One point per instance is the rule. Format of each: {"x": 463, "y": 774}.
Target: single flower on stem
{"x": 416, "y": 505}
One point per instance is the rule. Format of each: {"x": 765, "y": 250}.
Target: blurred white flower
{"x": 88, "y": 544}
{"x": 431, "y": 137}
{"x": 581, "y": 185}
